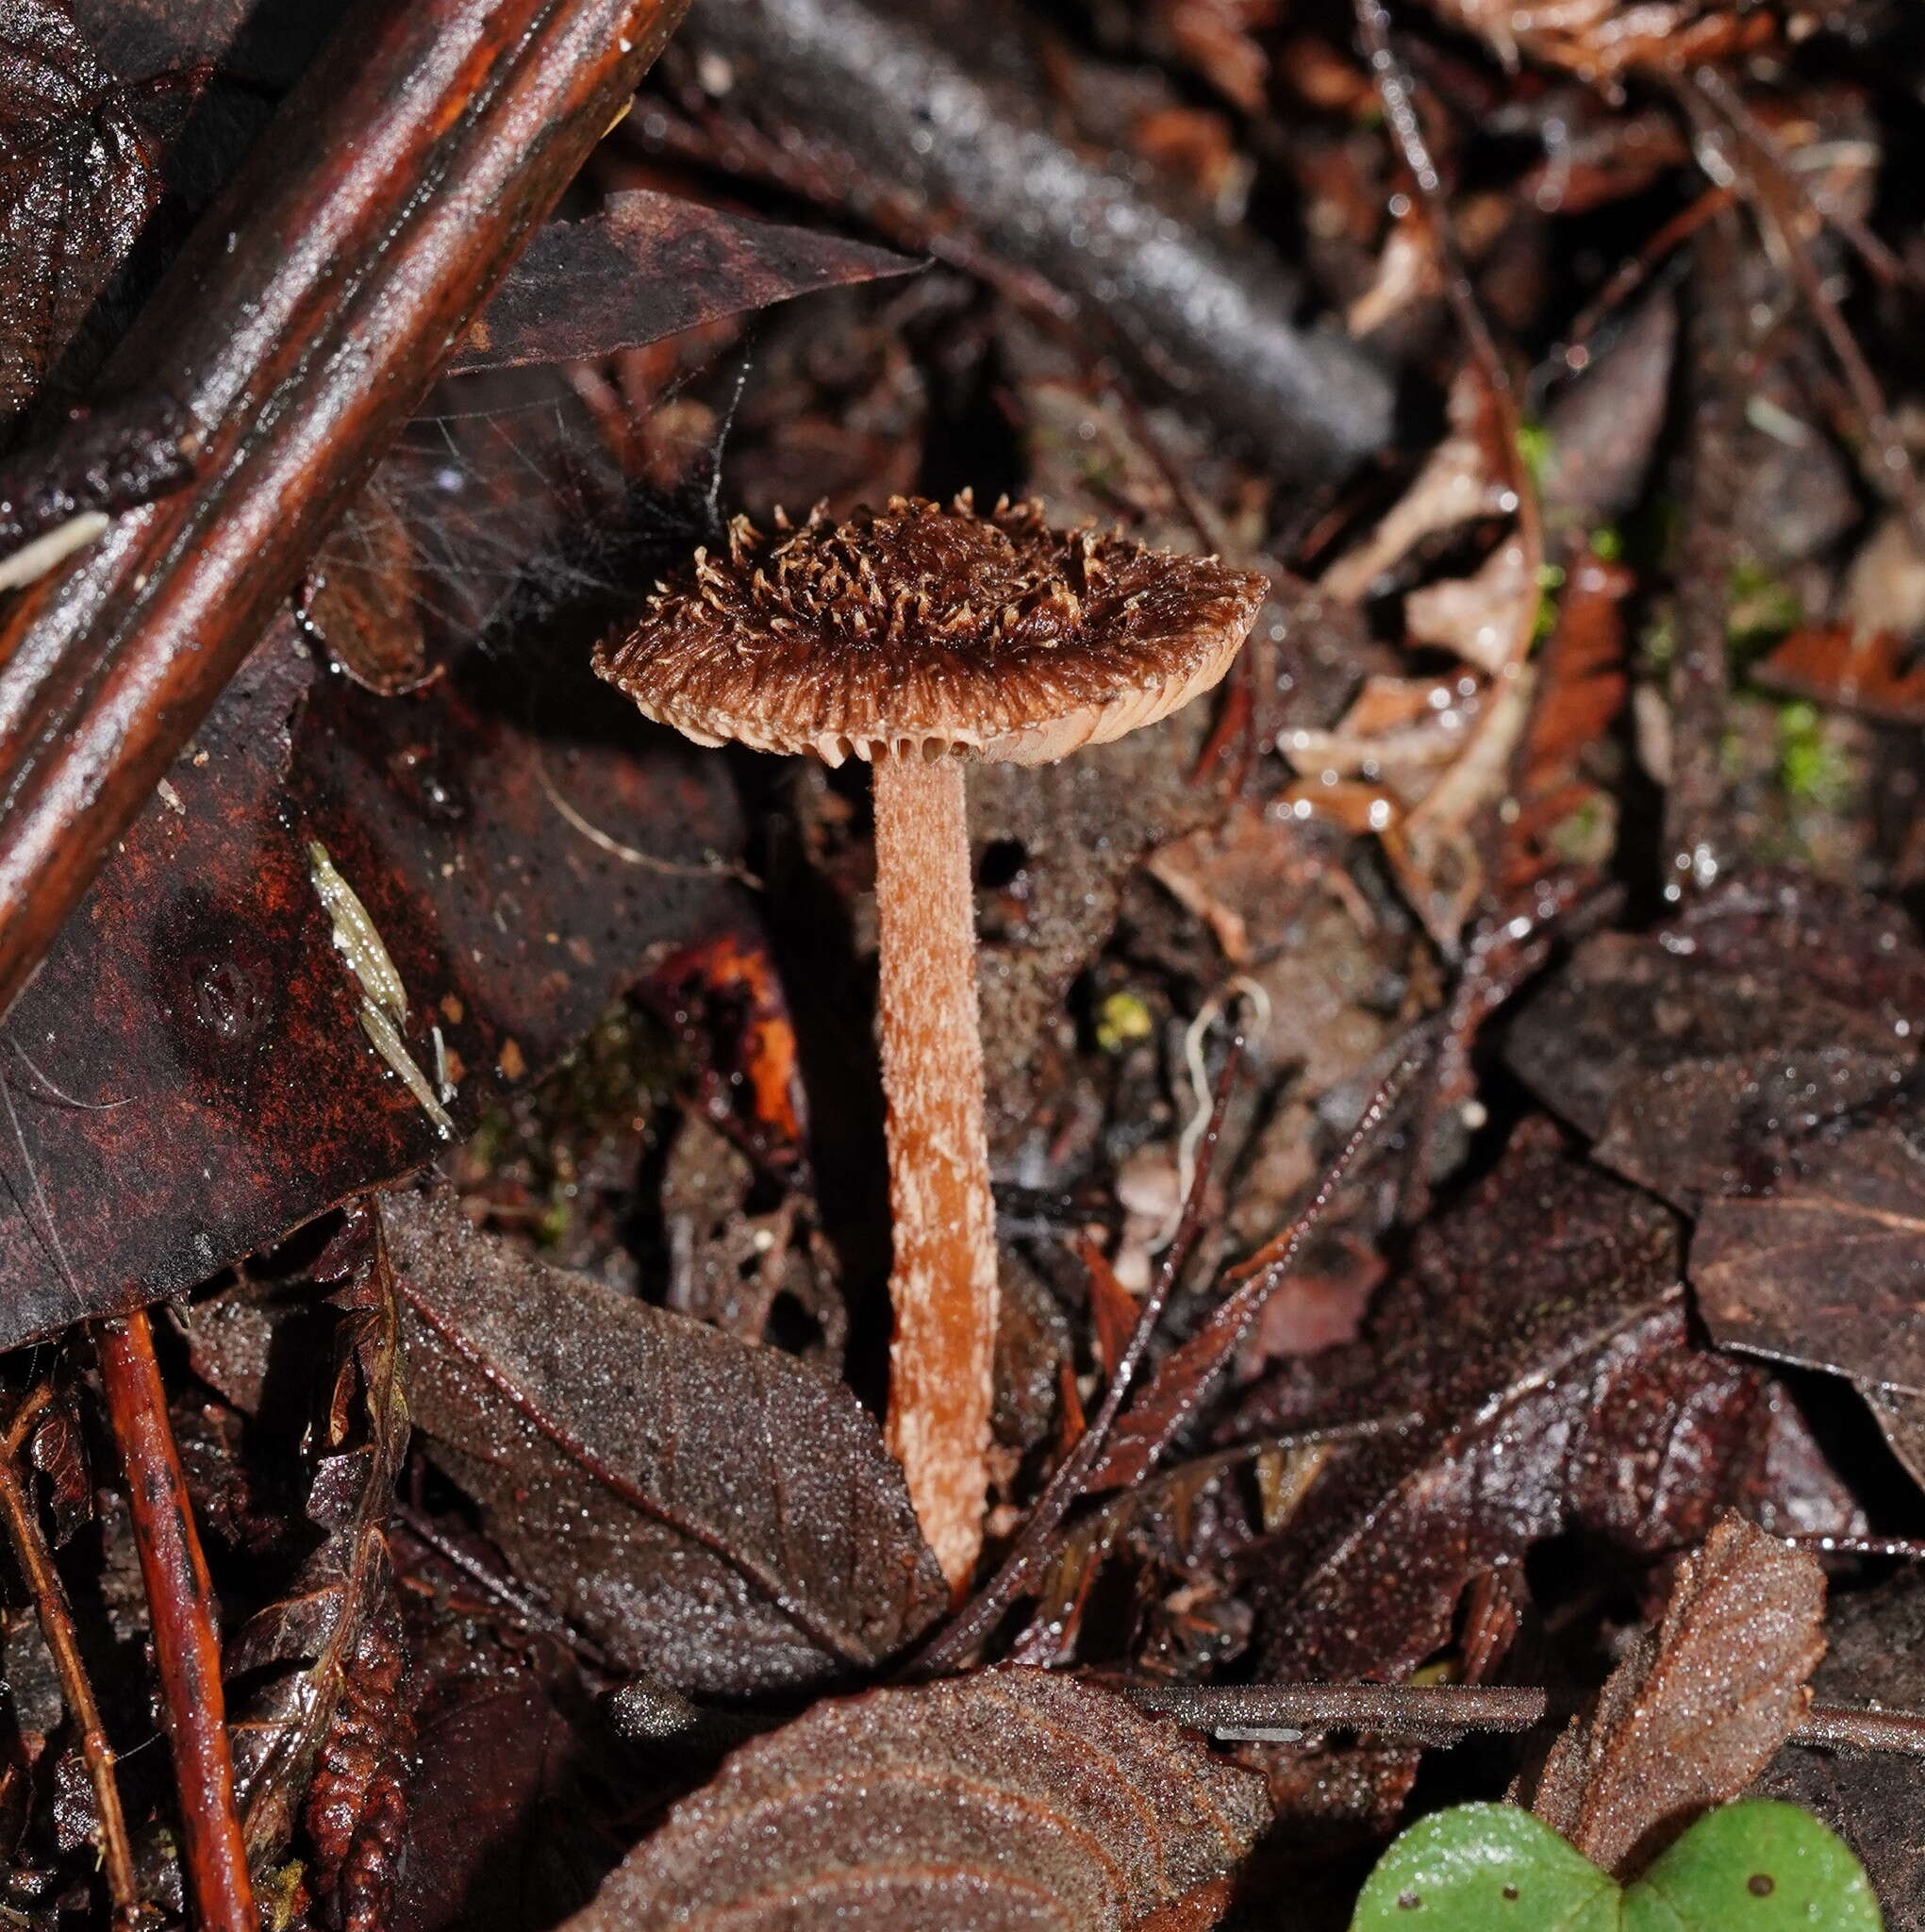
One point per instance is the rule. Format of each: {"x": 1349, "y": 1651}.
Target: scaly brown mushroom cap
{"x": 916, "y": 628}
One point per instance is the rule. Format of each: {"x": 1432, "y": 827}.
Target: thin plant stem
{"x": 55, "y": 1613}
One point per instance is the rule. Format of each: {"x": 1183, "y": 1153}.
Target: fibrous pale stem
{"x": 942, "y": 1286}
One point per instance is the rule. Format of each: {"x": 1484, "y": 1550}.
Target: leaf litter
{"x": 562, "y": 1570}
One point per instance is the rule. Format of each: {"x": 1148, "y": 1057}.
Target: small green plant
{"x": 1755, "y": 1866}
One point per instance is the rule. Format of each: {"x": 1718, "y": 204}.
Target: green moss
{"x": 1811, "y": 769}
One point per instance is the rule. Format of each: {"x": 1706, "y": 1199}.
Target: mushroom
{"x": 920, "y": 637}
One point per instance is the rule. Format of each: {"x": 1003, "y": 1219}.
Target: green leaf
{"x": 1482, "y": 1868}
{"x": 1757, "y": 1866}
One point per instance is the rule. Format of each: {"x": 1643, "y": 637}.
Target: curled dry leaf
{"x": 717, "y": 1514}
{"x": 76, "y": 182}
{"x": 1698, "y": 1709}
{"x": 1006, "y": 1799}
{"x": 1460, "y": 481}
{"x": 1479, "y": 616}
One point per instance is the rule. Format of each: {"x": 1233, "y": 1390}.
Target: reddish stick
{"x": 300, "y": 328}
{"x": 63, "y": 1643}
{"x": 180, "y": 1605}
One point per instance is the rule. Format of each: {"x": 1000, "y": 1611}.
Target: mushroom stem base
{"x": 942, "y": 1286}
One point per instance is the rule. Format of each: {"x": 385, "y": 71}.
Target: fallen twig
{"x": 1206, "y": 314}
{"x": 180, "y": 1606}
{"x": 1697, "y": 848}
{"x": 55, "y": 1615}
{"x": 1287, "y": 1713}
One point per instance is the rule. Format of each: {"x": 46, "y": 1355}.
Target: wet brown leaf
{"x": 196, "y": 1040}
{"x": 649, "y": 265}
{"x": 717, "y": 1514}
{"x": 265, "y": 43}
{"x": 492, "y": 1772}
{"x": 1538, "y": 1347}
{"x": 1699, "y": 1707}
{"x": 1827, "y": 1268}
{"x": 1581, "y": 690}
{"x": 76, "y": 182}
{"x": 1006, "y": 1799}
{"x": 1695, "y": 1055}
{"x": 105, "y": 460}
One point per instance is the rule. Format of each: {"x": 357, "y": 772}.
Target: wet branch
{"x": 180, "y": 1605}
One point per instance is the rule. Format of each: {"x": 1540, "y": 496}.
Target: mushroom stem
{"x": 942, "y": 1285}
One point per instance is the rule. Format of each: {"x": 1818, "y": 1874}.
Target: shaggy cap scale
{"x": 916, "y": 628}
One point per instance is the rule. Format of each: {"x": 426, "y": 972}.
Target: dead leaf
{"x": 717, "y": 1514}
{"x": 1479, "y": 617}
{"x": 1598, "y": 38}
{"x": 1697, "y": 1056}
{"x": 195, "y": 1039}
{"x": 1008, "y": 1798}
{"x": 649, "y": 265}
{"x": 1697, "y": 1708}
{"x": 264, "y": 44}
{"x": 1877, "y": 674}
{"x": 1604, "y": 428}
{"x": 1581, "y": 688}
{"x": 77, "y": 179}
{"x": 493, "y": 1832}
{"x": 102, "y": 461}
{"x": 1248, "y": 877}
{"x": 1538, "y": 1356}
{"x": 1459, "y": 482}
{"x": 1220, "y": 39}
{"x": 1828, "y": 1266}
